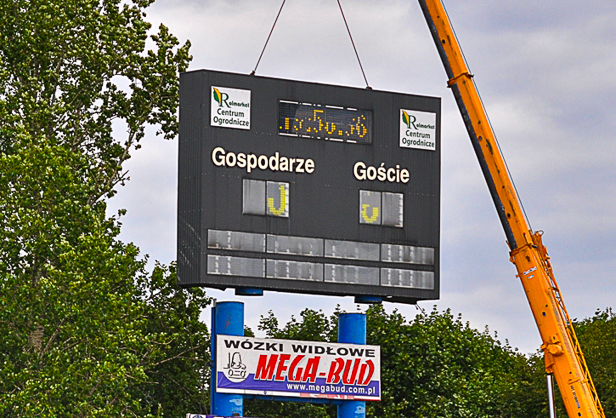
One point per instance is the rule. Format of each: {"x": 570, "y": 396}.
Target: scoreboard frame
{"x": 346, "y": 205}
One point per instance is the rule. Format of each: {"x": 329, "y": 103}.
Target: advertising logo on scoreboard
{"x": 230, "y": 108}
{"x": 417, "y": 129}
{"x": 298, "y": 368}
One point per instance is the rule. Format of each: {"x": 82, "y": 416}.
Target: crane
{"x": 562, "y": 351}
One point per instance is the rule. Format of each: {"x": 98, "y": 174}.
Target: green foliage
{"x": 314, "y": 326}
{"x": 85, "y": 330}
{"x": 597, "y": 337}
{"x": 64, "y": 353}
{"x": 179, "y": 343}
{"x": 439, "y": 366}
{"x": 69, "y": 69}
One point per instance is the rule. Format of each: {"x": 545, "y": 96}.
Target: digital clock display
{"x": 325, "y": 122}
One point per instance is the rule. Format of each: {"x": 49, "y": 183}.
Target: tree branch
{"x": 177, "y": 355}
{"x": 53, "y": 337}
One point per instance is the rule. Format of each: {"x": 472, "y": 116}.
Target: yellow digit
{"x": 333, "y": 125}
{"x": 320, "y": 126}
{"x": 360, "y": 132}
{"x": 364, "y": 213}
{"x": 364, "y": 131}
{"x": 283, "y": 202}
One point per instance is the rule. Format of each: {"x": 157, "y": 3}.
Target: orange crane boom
{"x": 563, "y": 354}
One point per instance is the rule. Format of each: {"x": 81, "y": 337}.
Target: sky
{"x": 546, "y": 72}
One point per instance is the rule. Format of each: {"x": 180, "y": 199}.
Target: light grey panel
{"x": 393, "y": 209}
{"x": 351, "y": 274}
{"x": 232, "y": 240}
{"x": 407, "y": 278}
{"x": 369, "y": 207}
{"x": 253, "y": 202}
{"x": 351, "y": 250}
{"x": 283, "y": 269}
{"x": 235, "y": 266}
{"x": 282, "y": 244}
{"x": 407, "y": 254}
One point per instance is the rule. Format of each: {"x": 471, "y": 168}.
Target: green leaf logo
{"x": 406, "y": 119}
{"x": 217, "y": 96}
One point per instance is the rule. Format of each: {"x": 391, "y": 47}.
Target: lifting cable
{"x": 268, "y": 37}
{"x": 347, "y": 28}
{"x": 355, "y": 49}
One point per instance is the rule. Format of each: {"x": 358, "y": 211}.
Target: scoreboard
{"x": 308, "y": 188}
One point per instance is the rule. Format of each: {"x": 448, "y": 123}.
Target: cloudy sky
{"x": 547, "y": 75}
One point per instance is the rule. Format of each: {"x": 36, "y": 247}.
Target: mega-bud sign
{"x": 297, "y": 368}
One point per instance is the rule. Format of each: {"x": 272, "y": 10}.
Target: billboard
{"x": 310, "y": 188}
{"x": 306, "y": 369}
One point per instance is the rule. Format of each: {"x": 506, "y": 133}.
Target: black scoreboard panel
{"x": 307, "y": 188}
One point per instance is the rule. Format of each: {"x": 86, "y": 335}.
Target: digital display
{"x": 325, "y": 122}
{"x": 308, "y": 188}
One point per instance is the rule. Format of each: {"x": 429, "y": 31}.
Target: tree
{"x": 86, "y": 331}
{"x": 178, "y": 370}
{"x": 439, "y": 366}
{"x": 597, "y": 337}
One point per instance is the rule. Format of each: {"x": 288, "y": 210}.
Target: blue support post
{"x": 352, "y": 330}
{"x": 227, "y": 319}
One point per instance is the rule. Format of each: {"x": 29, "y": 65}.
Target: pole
{"x": 352, "y": 330}
{"x": 227, "y": 319}
{"x": 551, "y": 403}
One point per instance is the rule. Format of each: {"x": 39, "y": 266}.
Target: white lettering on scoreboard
{"x": 297, "y": 368}
{"x": 275, "y": 162}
